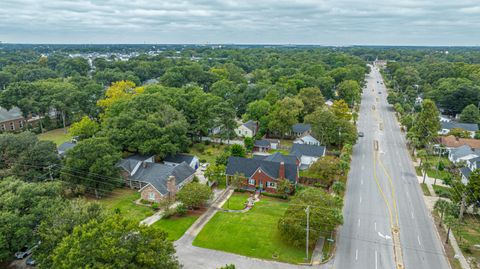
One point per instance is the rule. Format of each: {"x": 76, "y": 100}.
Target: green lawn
{"x": 237, "y": 201}
{"x": 207, "y": 152}
{"x": 468, "y": 235}
{"x": 433, "y": 173}
{"x": 442, "y": 191}
{"x": 123, "y": 199}
{"x": 425, "y": 189}
{"x": 57, "y": 136}
{"x": 286, "y": 142}
{"x": 252, "y": 234}
{"x": 176, "y": 226}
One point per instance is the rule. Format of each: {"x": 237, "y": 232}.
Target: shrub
{"x": 203, "y": 160}
{"x": 181, "y": 210}
{"x": 155, "y": 206}
{"x": 169, "y": 213}
{"x": 275, "y": 195}
{"x": 145, "y": 202}
{"x": 442, "y": 191}
{"x": 207, "y": 142}
{"x": 199, "y": 147}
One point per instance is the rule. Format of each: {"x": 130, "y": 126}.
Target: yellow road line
{"x": 392, "y": 189}
{"x": 380, "y": 188}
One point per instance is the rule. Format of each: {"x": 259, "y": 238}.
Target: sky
{"x": 319, "y": 22}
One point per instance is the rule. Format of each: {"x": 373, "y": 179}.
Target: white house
{"x": 307, "y": 154}
{"x": 307, "y": 139}
{"x": 463, "y": 153}
{"x": 247, "y": 129}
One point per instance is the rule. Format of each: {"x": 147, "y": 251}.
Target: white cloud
{"x": 333, "y": 22}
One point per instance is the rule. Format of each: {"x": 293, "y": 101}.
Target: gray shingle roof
{"x": 262, "y": 143}
{"x": 465, "y": 172}
{"x": 251, "y": 125}
{"x": 301, "y": 127}
{"x": 247, "y": 167}
{"x": 278, "y": 157}
{"x": 179, "y": 158}
{"x": 12, "y": 114}
{"x": 131, "y": 162}
{"x": 473, "y": 127}
{"x": 462, "y": 151}
{"x": 300, "y": 150}
{"x": 157, "y": 174}
{"x": 64, "y": 147}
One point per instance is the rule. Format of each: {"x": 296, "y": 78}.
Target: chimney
{"x": 281, "y": 172}
{"x": 171, "y": 187}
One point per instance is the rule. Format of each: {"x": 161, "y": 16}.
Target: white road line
{"x": 361, "y": 181}
{"x": 412, "y": 214}
{"x": 358, "y": 222}
{"x": 356, "y": 254}
{"x": 376, "y": 260}
{"x": 375, "y": 226}
{"x": 360, "y": 199}
{"x": 418, "y": 237}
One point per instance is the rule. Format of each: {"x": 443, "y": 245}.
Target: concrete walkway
{"x": 317, "y": 255}
{"x": 430, "y": 203}
{"x": 157, "y": 216}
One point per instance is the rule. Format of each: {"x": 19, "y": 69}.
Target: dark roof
{"x": 179, "y": 158}
{"x": 262, "y": 143}
{"x": 64, "y": 147}
{"x": 473, "y": 127}
{"x": 157, "y": 174}
{"x": 12, "y": 114}
{"x": 278, "y": 157}
{"x": 465, "y": 172}
{"x": 131, "y": 161}
{"x": 247, "y": 167}
{"x": 251, "y": 125}
{"x": 301, "y": 127}
{"x": 308, "y": 150}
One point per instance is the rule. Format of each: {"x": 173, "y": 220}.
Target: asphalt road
{"x": 382, "y": 193}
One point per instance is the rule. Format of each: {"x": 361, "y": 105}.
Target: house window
{"x": 20, "y": 123}
{"x": 151, "y": 196}
{"x": 271, "y": 185}
{"x": 12, "y": 126}
{"x": 251, "y": 181}
{"x": 3, "y": 127}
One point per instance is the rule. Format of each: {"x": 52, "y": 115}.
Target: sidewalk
{"x": 157, "y": 216}
{"x": 198, "y": 225}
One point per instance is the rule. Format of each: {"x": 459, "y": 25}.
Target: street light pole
{"x": 308, "y": 228}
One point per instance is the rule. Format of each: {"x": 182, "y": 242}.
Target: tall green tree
{"x": 349, "y": 91}
{"x": 124, "y": 244}
{"x": 194, "y": 195}
{"x": 325, "y": 213}
{"x": 426, "y": 124}
{"x": 470, "y": 114}
{"x": 311, "y": 98}
{"x": 284, "y": 114}
{"x": 91, "y": 163}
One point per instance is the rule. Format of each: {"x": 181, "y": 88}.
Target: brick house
{"x": 155, "y": 181}
{"x": 12, "y": 120}
{"x": 261, "y": 174}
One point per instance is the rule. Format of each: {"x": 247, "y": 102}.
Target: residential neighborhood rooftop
{"x": 455, "y": 142}
{"x": 277, "y": 157}
{"x": 179, "y": 158}
{"x": 12, "y": 114}
{"x": 248, "y": 167}
{"x": 472, "y": 127}
{"x": 301, "y": 127}
{"x": 300, "y": 150}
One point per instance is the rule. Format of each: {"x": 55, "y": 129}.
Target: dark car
{"x": 360, "y": 134}
{"x": 22, "y": 253}
{"x": 379, "y": 92}
{"x": 30, "y": 261}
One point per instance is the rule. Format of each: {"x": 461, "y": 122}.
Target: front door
{"x": 260, "y": 185}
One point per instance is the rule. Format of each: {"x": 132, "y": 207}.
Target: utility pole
{"x": 307, "y": 210}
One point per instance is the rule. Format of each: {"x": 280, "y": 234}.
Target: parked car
{"x": 379, "y": 92}
{"x": 30, "y": 261}
{"x": 22, "y": 253}
{"x": 360, "y": 134}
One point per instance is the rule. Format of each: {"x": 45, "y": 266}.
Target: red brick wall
{"x": 260, "y": 175}
{"x": 146, "y": 192}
